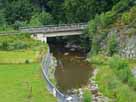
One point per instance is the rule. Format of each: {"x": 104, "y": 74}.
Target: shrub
{"x": 106, "y": 19}
{"x": 87, "y": 96}
{"x": 121, "y": 6}
{"x": 4, "y": 45}
{"x": 98, "y": 59}
{"x": 112, "y": 87}
{"x": 92, "y": 28}
{"x": 132, "y": 82}
{"x": 121, "y": 68}
{"x": 20, "y": 45}
{"x": 18, "y": 24}
{"x": 27, "y": 61}
{"x": 126, "y": 18}
{"x": 125, "y": 94}
{"x": 112, "y": 45}
{"x": 95, "y": 46}
{"x": 43, "y": 18}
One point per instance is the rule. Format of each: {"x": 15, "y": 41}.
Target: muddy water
{"x": 73, "y": 71}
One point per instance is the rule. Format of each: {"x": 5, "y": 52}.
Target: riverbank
{"x": 114, "y": 77}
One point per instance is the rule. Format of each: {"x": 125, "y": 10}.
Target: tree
{"x": 56, "y": 10}
{"x": 84, "y": 10}
{"x": 43, "y": 18}
{"x": 20, "y": 10}
{"x": 2, "y": 18}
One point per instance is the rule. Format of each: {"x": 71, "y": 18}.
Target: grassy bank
{"x": 114, "y": 77}
{"x": 21, "y": 78}
{"x": 23, "y": 83}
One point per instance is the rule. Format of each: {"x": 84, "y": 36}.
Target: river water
{"x": 73, "y": 71}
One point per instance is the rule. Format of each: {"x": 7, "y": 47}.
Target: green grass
{"x": 23, "y": 83}
{"x": 87, "y": 96}
{"x": 18, "y": 56}
{"x": 112, "y": 87}
{"x": 110, "y": 83}
{"x": 21, "y": 78}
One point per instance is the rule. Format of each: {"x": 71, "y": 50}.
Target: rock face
{"x": 134, "y": 72}
{"x": 126, "y": 39}
{"x": 129, "y": 50}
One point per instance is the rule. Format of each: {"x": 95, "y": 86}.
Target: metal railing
{"x": 45, "y": 66}
{"x": 54, "y": 28}
{"x": 51, "y": 87}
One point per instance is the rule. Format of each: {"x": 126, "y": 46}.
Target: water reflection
{"x": 72, "y": 70}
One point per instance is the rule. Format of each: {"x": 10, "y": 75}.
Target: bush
{"x": 95, "y": 47}
{"x": 125, "y": 94}
{"x": 20, "y": 10}
{"x": 112, "y": 45}
{"x": 2, "y": 18}
{"x": 92, "y": 27}
{"x": 87, "y": 96}
{"x": 20, "y": 45}
{"x": 121, "y": 6}
{"x": 43, "y": 18}
{"x": 17, "y": 24}
{"x": 27, "y": 61}
{"x": 112, "y": 87}
{"x": 4, "y": 45}
{"x": 126, "y": 18}
{"x": 104, "y": 77}
{"x": 121, "y": 68}
{"x": 98, "y": 59}
{"x": 106, "y": 19}
{"x": 132, "y": 82}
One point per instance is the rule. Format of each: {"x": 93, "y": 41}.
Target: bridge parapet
{"x": 54, "y": 28}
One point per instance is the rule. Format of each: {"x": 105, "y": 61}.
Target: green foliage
{"x": 84, "y": 10}
{"x": 121, "y": 68}
{"x": 112, "y": 87}
{"x": 106, "y": 19}
{"x": 87, "y": 96}
{"x": 128, "y": 17}
{"x": 100, "y": 21}
{"x": 20, "y": 10}
{"x": 2, "y": 18}
{"x": 112, "y": 45}
{"x": 99, "y": 27}
{"x": 18, "y": 42}
{"x": 98, "y": 59}
{"x": 121, "y": 6}
{"x": 132, "y": 82}
{"x": 42, "y": 18}
{"x": 5, "y": 45}
{"x": 94, "y": 47}
{"x": 92, "y": 28}
{"x": 46, "y": 18}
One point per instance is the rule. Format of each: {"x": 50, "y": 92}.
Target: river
{"x": 72, "y": 71}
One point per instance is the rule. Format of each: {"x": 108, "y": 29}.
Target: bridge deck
{"x": 53, "y": 29}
